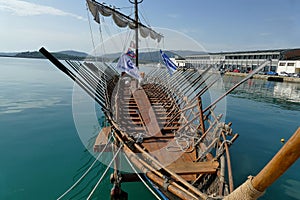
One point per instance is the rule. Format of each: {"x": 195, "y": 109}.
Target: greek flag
{"x": 169, "y": 64}
{"x": 125, "y": 64}
{"x": 130, "y": 53}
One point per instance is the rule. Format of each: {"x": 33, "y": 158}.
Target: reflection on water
{"x": 19, "y": 106}
{"x": 291, "y": 188}
{"x": 26, "y": 84}
{"x": 286, "y": 95}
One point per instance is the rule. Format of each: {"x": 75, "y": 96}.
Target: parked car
{"x": 236, "y": 70}
{"x": 296, "y": 75}
{"x": 262, "y": 73}
{"x": 271, "y": 73}
{"x": 283, "y": 74}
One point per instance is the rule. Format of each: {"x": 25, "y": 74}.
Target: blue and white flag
{"x": 130, "y": 53}
{"x": 170, "y": 65}
{"x": 125, "y": 64}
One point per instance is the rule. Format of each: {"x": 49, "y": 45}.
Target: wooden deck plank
{"x": 159, "y": 118}
{"x": 146, "y": 111}
{"x": 102, "y": 139}
{"x": 194, "y": 167}
{"x": 138, "y": 128}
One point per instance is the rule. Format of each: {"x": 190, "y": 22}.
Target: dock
{"x": 266, "y": 77}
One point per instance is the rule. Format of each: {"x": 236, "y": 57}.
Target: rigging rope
{"x": 104, "y": 173}
{"x": 135, "y": 171}
{"x": 92, "y": 37}
{"x": 85, "y": 173}
{"x": 101, "y": 41}
{"x": 144, "y": 17}
{"x": 126, "y": 40}
{"x": 108, "y": 32}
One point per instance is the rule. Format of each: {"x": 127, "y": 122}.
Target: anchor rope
{"x": 86, "y": 172}
{"x": 104, "y": 173}
{"x": 135, "y": 171}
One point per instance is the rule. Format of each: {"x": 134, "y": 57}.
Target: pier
{"x": 266, "y": 77}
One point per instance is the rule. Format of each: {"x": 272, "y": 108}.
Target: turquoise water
{"x": 42, "y": 155}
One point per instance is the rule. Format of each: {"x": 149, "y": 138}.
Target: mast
{"x": 136, "y": 33}
{"x": 136, "y": 21}
{"x": 123, "y": 21}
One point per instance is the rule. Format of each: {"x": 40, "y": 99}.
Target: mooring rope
{"x": 104, "y": 173}
{"x": 85, "y": 173}
{"x": 135, "y": 171}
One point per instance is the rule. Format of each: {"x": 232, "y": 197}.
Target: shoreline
{"x": 266, "y": 77}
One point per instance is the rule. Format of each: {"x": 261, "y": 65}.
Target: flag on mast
{"x": 125, "y": 64}
{"x": 130, "y": 53}
{"x": 169, "y": 64}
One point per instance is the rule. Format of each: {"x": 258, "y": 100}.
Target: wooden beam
{"x": 142, "y": 129}
{"x": 201, "y": 125}
{"x": 287, "y": 155}
{"x": 102, "y": 139}
{"x": 194, "y": 167}
{"x": 146, "y": 111}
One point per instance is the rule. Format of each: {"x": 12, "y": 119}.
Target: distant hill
{"x": 144, "y": 57}
{"x": 7, "y": 54}
{"x": 64, "y": 55}
{"x": 74, "y": 53}
{"x": 29, "y": 54}
{"x": 154, "y": 56}
{"x": 184, "y": 53}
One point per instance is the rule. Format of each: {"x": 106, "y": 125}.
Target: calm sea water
{"x": 42, "y": 155}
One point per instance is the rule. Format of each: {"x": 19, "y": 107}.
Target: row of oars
{"x": 187, "y": 91}
{"x": 182, "y": 86}
{"x": 190, "y": 85}
{"x": 96, "y": 79}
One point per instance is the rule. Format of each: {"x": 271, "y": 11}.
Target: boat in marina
{"x": 176, "y": 143}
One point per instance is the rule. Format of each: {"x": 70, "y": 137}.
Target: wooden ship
{"x": 175, "y": 145}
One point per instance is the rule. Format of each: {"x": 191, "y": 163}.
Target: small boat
{"x": 176, "y": 143}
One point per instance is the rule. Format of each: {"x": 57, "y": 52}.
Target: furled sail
{"x": 120, "y": 19}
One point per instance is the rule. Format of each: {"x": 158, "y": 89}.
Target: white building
{"x": 247, "y": 60}
{"x": 288, "y": 66}
{"x": 179, "y": 62}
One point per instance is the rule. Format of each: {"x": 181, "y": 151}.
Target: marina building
{"x": 287, "y": 60}
{"x": 289, "y": 66}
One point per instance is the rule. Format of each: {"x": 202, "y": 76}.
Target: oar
{"x": 70, "y": 74}
{"x": 254, "y": 187}
{"x": 97, "y": 84}
{"x": 287, "y": 155}
{"x": 219, "y": 99}
{"x": 237, "y": 85}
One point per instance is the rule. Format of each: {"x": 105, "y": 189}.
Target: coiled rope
{"x": 104, "y": 173}
{"x": 87, "y": 171}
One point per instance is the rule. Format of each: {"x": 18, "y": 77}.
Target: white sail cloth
{"x": 120, "y": 20}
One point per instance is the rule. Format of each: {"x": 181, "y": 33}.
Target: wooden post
{"x": 201, "y": 115}
{"x": 287, "y": 155}
{"x": 230, "y": 177}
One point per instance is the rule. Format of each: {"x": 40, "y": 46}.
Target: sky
{"x": 214, "y": 25}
